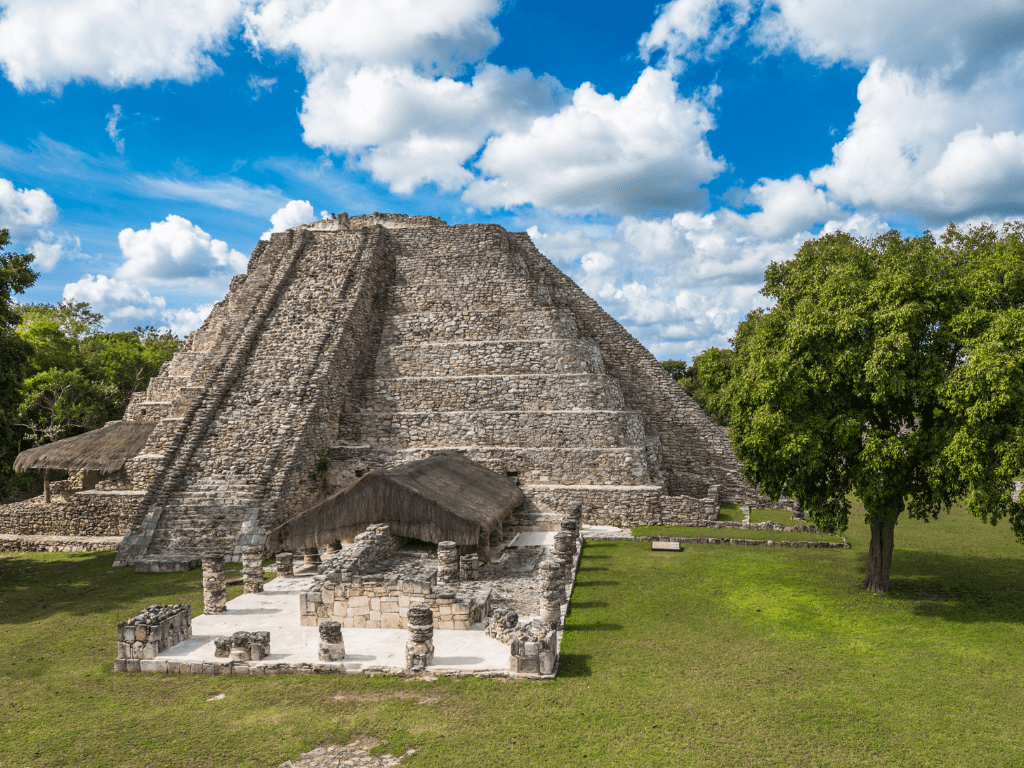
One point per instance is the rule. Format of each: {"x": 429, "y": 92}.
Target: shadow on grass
{"x": 958, "y": 588}
{"x": 36, "y": 585}
{"x": 595, "y": 626}
{"x": 604, "y": 583}
{"x": 581, "y": 604}
{"x": 574, "y": 665}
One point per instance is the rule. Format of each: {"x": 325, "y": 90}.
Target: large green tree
{"x": 859, "y": 381}
{"x": 16, "y": 275}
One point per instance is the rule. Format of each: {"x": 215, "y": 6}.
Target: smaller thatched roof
{"x": 104, "y": 450}
{"x": 446, "y": 497}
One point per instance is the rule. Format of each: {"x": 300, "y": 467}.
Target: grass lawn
{"x": 684, "y": 531}
{"x": 730, "y": 513}
{"x": 782, "y": 516}
{"x": 732, "y": 656}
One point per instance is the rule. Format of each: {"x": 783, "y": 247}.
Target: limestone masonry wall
{"x": 369, "y": 341}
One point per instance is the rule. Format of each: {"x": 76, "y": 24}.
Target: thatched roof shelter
{"x": 445, "y": 497}
{"x": 102, "y": 450}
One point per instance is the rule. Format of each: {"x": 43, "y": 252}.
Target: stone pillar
{"x": 483, "y": 547}
{"x": 467, "y": 568}
{"x": 447, "y": 562}
{"x": 533, "y": 649}
{"x": 565, "y": 552}
{"x": 576, "y": 513}
{"x": 284, "y": 565}
{"x": 570, "y": 525}
{"x": 46, "y": 486}
{"x": 551, "y": 591}
{"x": 311, "y": 557}
{"x": 214, "y": 588}
{"x": 333, "y": 547}
{"x": 332, "y": 645}
{"x": 419, "y": 650}
{"x": 252, "y": 570}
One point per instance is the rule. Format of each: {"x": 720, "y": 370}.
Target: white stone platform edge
{"x": 264, "y": 669}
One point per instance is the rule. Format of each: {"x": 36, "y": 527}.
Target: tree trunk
{"x": 880, "y": 556}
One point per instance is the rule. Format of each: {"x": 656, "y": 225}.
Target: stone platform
{"x": 293, "y": 648}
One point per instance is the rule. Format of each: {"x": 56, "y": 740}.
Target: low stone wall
{"x": 85, "y": 513}
{"x": 385, "y": 604}
{"x": 15, "y": 543}
{"x": 153, "y": 631}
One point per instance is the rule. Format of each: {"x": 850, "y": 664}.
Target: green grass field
{"x": 683, "y": 531}
{"x": 732, "y": 656}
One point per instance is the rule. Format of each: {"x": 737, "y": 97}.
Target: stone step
{"x": 531, "y": 392}
{"x": 621, "y": 505}
{"x": 583, "y": 429}
{"x": 479, "y": 325}
{"x": 165, "y": 387}
{"x": 573, "y": 466}
{"x": 476, "y": 358}
{"x": 512, "y": 297}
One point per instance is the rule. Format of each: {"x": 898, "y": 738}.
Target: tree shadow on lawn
{"x": 80, "y": 584}
{"x": 574, "y": 665}
{"x": 959, "y": 588}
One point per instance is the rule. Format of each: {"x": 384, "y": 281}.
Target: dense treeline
{"x": 60, "y": 375}
{"x": 890, "y": 369}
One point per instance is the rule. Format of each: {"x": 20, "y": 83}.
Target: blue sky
{"x": 662, "y": 155}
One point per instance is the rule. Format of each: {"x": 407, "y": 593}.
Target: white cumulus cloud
{"x": 294, "y": 213}
{"x": 24, "y": 211}
{"x": 46, "y": 44}
{"x": 644, "y": 151}
{"x": 185, "y": 320}
{"x": 175, "y": 252}
{"x": 116, "y": 299}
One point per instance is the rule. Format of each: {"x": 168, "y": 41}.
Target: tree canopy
{"x": 60, "y": 375}
{"x": 889, "y": 369}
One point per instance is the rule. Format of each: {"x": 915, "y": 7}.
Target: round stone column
{"x": 419, "y": 650}
{"x": 467, "y": 567}
{"x": 551, "y": 591}
{"x": 285, "y": 562}
{"x": 214, "y": 584}
{"x": 332, "y": 645}
{"x": 565, "y": 553}
{"x": 252, "y": 569}
{"x": 447, "y": 562}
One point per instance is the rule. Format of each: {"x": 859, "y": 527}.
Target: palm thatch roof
{"x": 104, "y": 450}
{"x": 445, "y": 497}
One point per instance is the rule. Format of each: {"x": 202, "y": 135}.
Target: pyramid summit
{"x": 364, "y": 342}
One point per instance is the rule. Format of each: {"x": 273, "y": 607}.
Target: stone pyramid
{"x": 363, "y": 342}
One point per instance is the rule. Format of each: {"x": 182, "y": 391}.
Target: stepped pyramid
{"x": 363, "y": 342}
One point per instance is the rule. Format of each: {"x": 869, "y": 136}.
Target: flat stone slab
{"x": 671, "y": 546}
{"x": 534, "y": 539}
{"x": 276, "y": 610}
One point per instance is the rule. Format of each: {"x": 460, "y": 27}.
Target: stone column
{"x": 564, "y": 552}
{"x": 252, "y": 570}
{"x": 551, "y": 591}
{"x": 46, "y": 486}
{"x": 467, "y": 568}
{"x": 284, "y": 565}
{"x": 311, "y": 557}
{"x": 570, "y": 525}
{"x": 333, "y": 547}
{"x": 214, "y": 588}
{"x": 332, "y": 645}
{"x": 483, "y": 547}
{"x": 419, "y": 650}
{"x": 576, "y": 513}
{"x": 447, "y": 562}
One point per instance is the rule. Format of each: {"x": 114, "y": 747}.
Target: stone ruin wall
{"x": 381, "y": 344}
{"x": 696, "y": 453}
{"x": 242, "y": 452}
